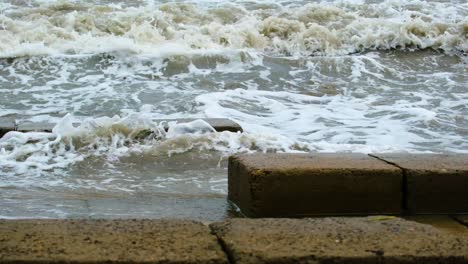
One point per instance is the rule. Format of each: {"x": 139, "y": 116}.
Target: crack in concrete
{"x": 224, "y": 248}
{"x": 455, "y": 218}
{"x": 404, "y": 184}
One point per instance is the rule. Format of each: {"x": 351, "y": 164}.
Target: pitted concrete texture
{"x": 109, "y": 241}
{"x": 296, "y": 185}
{"x": 338, "y": 240}
{"x": 436, "y": 184}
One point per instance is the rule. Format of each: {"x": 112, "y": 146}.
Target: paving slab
{"x": 435, "y": 183}
{"x": 298, "y": 185}
{"x": 106, "y": 241}
{"x": 338, "y": 240}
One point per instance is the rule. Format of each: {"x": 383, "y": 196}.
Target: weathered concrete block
{"x": 107, "y": 241}
{"x": 295, "y": 185}
{"x": 434, "y": 183}
{"x": 338, "y": 240}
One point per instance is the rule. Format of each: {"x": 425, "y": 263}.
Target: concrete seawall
{"x": 312, "y": 240}
{"x": 297, "y": 185}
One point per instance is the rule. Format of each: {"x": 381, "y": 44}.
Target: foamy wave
{"x": 117, "y": 137}
{"x": 179, "y": 28}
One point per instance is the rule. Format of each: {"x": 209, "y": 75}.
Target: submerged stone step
{"x": 108, "y": 241}
{"x": 435, "y": 183}
{"x": 338, "y": 240}
{"x": 219, "y": 124}
{"x": 6, "y": 127}
{"x": 297, "y": 185}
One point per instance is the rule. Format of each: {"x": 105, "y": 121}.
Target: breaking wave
{"x": 325, "y": 28}
{"x": 117, "y": 137}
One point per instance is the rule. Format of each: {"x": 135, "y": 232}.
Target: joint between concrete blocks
{"x": 456, "y": 219}
{"x": 404, "y": 184}
{"x": 223, "y": 246}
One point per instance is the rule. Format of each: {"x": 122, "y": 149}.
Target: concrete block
{"x": 219, "y": 124}
{"x": 106, "y": 241}
{"x": 338, "y": 240}
{"x": 435, "y": 184}
{"x": 297, "y": 185}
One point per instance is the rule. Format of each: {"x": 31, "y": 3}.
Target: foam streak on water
{"x": 299, "y": 76}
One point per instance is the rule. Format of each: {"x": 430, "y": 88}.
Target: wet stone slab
{"x": 295, "y": 185}
{"x": 434, "y": 183}
{"x": 338, "y": 240}
{"x": 219, "y": 124}
{"x": 105, "y": 241}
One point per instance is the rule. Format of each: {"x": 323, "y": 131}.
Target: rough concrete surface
{"x": 295, "y": 185}
{"x": 435, "y": 183}
{"x": 110, "y": 241}
{"x": 338, "y": 240}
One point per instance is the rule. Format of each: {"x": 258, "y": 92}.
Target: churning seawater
{"x": 299, "y": 76}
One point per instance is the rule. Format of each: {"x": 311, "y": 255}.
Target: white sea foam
{"x": 118, "y": 137}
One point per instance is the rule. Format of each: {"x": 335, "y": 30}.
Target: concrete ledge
{"x": 376, "y": 239}
{"x": 338, "y": 240}
{"x": 435, "y": 184}
{"x": 297, "y": 185}
{"x": 219, "y": 124}
{"x": 108, "y": 241}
